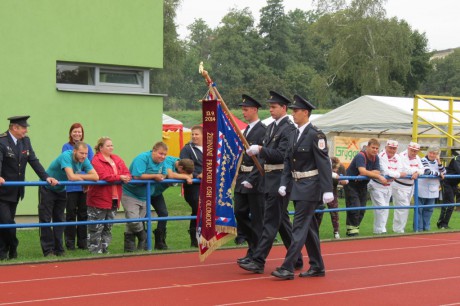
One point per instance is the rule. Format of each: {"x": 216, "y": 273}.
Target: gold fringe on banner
{"x": 213, "y": 244}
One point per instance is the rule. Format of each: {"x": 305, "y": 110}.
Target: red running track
{"x": 404, "y": 270}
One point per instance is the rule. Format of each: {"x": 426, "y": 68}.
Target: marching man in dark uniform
{"x": 307, "y": 169}
{"x": 15, "y": 152}
{"x": 249, "y": 193}
{"x": 276, "y": 217}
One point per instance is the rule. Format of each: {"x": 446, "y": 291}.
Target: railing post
{"x": 416, "y": 205}
{"x": 149, "y": 218}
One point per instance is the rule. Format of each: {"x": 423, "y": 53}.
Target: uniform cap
{"x": 249, "y": 101}
{"x": 301, "y": 103}
{"x": 21, "y": 120}
{"x": 414, "y": 146}
{"x": 392, "y": 143}
{"x": 278, "y": 98}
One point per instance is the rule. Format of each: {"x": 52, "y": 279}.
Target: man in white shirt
{"x": 381, "y": 193}
{"x": 403, "y": 188}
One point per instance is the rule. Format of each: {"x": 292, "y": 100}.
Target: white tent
{"x": 382, "y": 115}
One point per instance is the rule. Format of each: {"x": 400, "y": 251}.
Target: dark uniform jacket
{"x": 454, "y": 169}
{"x": 13, "y": 162}
{"x": 273, "y": 151}
{"x": 255, "y": 137}
{"x": 309, "y": 153}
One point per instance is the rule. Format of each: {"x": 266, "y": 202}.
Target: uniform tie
{"x": 246, "y": 130}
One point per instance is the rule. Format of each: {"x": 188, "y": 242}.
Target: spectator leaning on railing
{"x": 428, "y": 189}
{"x": 365, "y": 163}
{"x": 403, "y": 188}
{"x": 76, "y": 197}
{"x": 104, "y": 200}
{"x": 146, "y": 166}
{"x": 390, "y": 166}
{"x": 449, "y": 190}
{"x": 68, "y": 166}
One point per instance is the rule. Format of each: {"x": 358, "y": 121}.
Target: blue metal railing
{"x": 149, "y": 219}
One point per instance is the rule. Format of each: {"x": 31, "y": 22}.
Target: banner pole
{"x": 214, "y": 90}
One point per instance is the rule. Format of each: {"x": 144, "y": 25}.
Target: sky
{"x": 438, "y": 18}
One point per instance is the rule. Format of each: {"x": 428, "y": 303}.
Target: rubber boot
{"x": 160, "y": 239}
{"x": 130, "y": 243}
{"x": 193, "y": 241}
{"x": 142, "y": 240}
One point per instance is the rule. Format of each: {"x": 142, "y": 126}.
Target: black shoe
{"x": 243, "y": 260}
{"x": 283, "y": 273}
{"x": 313, "y": 273}
{"x": 252, "y": 267}
{"x": 62, "y": 253}
{"x": 352, "y": 234}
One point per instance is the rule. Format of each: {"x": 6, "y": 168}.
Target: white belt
{"x": 246, "y": 169}
{"x": 300, "y": 175}
{"x": 269, "y": 168}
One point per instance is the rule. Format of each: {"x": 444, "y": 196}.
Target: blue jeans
{"x": 424, "y": 214}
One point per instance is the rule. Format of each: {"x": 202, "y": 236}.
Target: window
{"x": 95, "y": 78}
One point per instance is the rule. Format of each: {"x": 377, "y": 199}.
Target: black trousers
{"x": 249, "y": 211}
{"x": 51, "y": 208}
{"x": 276, "y": 218}
{"x": 8, "y": 240}
{"x": 192, "y": 195}
{"x": 304, "y": 232}
{"x": 448, "y": 198}
{"x": 355, "y": 196}
{"x": 76, "y": 210}
{"x": 158, "y": 203}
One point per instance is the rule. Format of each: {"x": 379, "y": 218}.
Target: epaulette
{"x": 3, "y": 135}
{"x": 290, "y": 122}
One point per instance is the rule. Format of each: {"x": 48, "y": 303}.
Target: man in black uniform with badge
{"x": 249, "y": 193}
{"x": 272, "y": 151}
{"x": 15, "y": 152}
{"x": 307, "y": 168}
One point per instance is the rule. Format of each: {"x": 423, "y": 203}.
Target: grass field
{"x": 178, "y": 239}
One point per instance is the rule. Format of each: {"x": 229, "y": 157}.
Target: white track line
{"x": 268, "y": 299}
{"x": 253, "y": 279}
{"x": 206, "y": 266}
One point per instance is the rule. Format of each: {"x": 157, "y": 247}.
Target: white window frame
{"x": 143, "y": 86}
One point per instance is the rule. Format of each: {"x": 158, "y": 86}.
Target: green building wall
{"x": 35, "y": 34}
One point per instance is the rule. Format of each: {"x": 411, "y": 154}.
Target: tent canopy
{"x": 379, "y": 115}
{"x": 171, "y": 124}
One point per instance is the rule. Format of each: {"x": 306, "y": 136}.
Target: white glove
{"x": 335, "y": 175}
{"x": 328, "y": 197}
{"x": 282, "y": 191}
{"x": 253, "y": 150}
{"x": 247, "y": 184}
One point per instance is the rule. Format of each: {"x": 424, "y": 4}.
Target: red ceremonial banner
{"x": 208, "y": 182}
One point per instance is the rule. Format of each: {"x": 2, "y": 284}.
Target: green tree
{"x": 370, "y": 54}
{"x": 236, "y": 57}
{"x": 444, "y": 79}
{"x": 275, "y": 31}
{"x": 165, "y": 80}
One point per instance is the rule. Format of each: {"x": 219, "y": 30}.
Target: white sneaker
{"x": 336, "y": 235}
